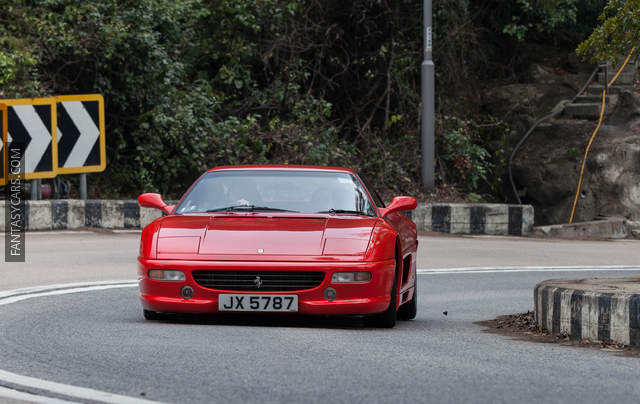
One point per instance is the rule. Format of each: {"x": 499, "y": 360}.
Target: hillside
{"x": 191, "y": 84}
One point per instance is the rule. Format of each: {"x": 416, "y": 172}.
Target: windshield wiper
{"x": 248, "y": 208}
{"x": 334, "y": 211}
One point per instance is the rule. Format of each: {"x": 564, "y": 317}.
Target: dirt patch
{"x": 522, "y": 326}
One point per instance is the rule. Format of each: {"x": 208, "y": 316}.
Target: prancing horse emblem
{"x": 258, "y": 281}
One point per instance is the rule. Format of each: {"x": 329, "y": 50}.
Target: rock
{"x": 541, "y": 74}
{"x": 521, "y": 104}
{"x": 548, "y": 167}
{"x": 573, "y": 63}
{"x": 634, "y": 228}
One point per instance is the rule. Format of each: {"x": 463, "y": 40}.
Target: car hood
{"x": 263, "y": 237}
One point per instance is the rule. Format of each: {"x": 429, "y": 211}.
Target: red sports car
{"x": 284, "y": 239}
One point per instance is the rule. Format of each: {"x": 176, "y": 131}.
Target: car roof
{"x": 288, "y": 167}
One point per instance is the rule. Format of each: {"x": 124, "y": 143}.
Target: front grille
{"x": 268, "y": 281}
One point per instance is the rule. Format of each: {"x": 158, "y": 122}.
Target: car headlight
{"x": 351, "y": 277}
{"x": 166, "y": 275}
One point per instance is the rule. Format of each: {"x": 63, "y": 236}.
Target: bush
{"x": 191, "y": 84}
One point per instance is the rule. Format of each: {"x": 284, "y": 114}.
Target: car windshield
{"x": 277, "y": 190}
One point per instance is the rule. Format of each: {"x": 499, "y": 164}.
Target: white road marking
{"x": 14, "y": 299}
{"x": 37, "y": 289}
{"x": 82, "y": 393}
{"x": 30, "y": 398}
{"x": 479, "y": 270}
{"x": 75, "y": 392}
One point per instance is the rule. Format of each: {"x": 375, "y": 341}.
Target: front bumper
{"x": 352, "y": 298}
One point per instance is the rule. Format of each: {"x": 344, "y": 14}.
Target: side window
{"x": 376, "y": 198}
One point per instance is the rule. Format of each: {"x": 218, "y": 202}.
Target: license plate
{"x": 288, "y": 303}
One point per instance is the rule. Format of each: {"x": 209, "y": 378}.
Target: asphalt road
{"x": 60, "y": 257}
{"x": 98, "y": 339}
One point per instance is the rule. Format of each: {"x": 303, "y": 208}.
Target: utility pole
{"x": 428, "y": 102}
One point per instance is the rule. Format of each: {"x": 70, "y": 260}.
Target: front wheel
{"x": 383, "y": 320}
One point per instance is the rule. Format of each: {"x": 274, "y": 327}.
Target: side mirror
{"x": 151, "y": 200}
{"x": 399, "y": 203}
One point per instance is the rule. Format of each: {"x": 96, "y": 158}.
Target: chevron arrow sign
{"x": 32, "y": 123}
{"x": 80, "y": 134}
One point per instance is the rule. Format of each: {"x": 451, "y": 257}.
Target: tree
{"x": 618, "y": 32}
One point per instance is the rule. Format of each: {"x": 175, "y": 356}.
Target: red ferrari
{"x": 280, "y": 239}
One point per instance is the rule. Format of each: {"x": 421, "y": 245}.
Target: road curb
{"x": 610, "y": 228}
{"x": 475, "y": 218}
{"x": 453, "y": 218}
{"x": 70, "y": 214}
{"x": 593, "y": 309}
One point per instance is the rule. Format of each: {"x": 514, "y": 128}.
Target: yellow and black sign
{"x": 31, "y": 123}
{"x": 81, "y": 134}
{"x": 57, "y": 135}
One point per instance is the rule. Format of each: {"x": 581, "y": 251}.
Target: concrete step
{"x": 587, "y": 110}
{"x": 610, "y": 228}
{"x": 632, "y": 66}
{"x": 592, "y": 98}
{"x": 597, "y": 89}
{"x": 624, "y": 78}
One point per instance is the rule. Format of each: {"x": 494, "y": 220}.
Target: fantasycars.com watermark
{"x": 14, "y": 209}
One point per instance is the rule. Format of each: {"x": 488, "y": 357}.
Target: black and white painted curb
{"x": 74, "y": 214}
{"x": 468, "y": 218}
{"x": 455, "y": 218}
{"x": 594, "y": 309}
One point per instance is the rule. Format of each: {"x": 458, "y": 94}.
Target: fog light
{"x": 162, "y": 275}
{"x": 351, "y": 277}
{"x": 186, "y": 292}
{"x": 330, "y": 294}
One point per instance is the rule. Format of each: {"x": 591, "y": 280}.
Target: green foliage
{"x": 17, "y": 65}
{"x": 542, "y": 18}
{"x": 618, "y": 32}
{"x": 471, "y": 154}
{"x": 477, "y": 43}
{"x": 191, "y": 84}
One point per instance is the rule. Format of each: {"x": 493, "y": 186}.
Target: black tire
{"x": 386, "y": 319}
{"x": 151, "y": 315}
{"x": 409, "y": 310}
